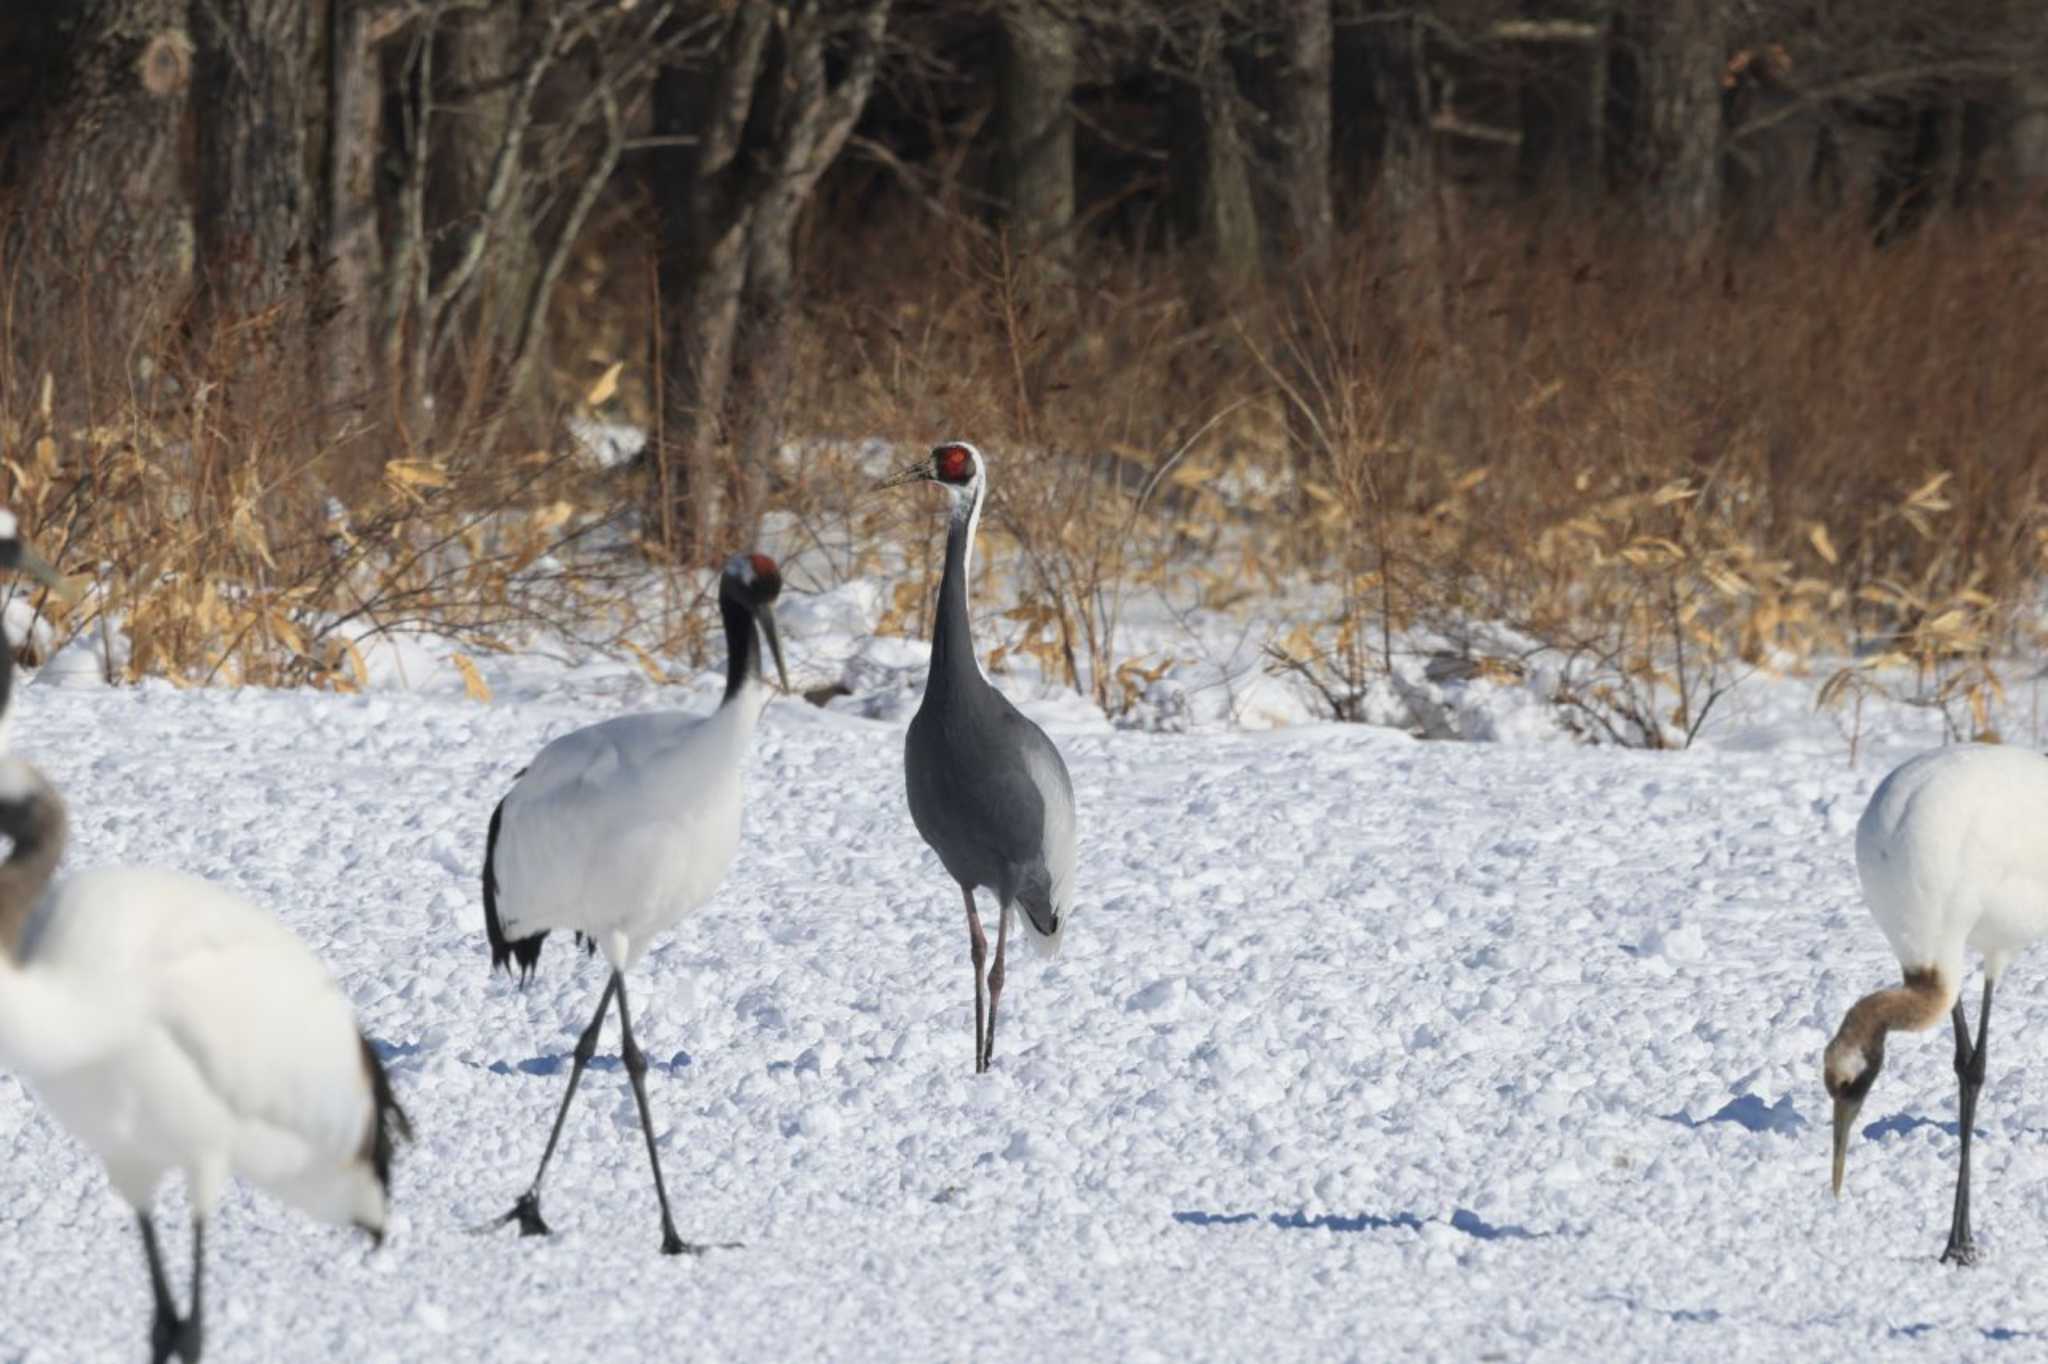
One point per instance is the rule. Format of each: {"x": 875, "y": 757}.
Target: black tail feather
{"x": 525, "y": 951}
{"x": 388, "y": 1125}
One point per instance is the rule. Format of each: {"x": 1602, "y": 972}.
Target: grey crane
{"x": 988, "y": 791}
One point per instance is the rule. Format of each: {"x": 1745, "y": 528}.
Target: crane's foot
{"x": 672, "y": 1244}
{"x": 191, "y": 1339}
{"x": 174, "y": 1337}
{"x": 526, "y": 1212}
{"x": 1962, "y": 1253}
{"x": 163, "y": 1337}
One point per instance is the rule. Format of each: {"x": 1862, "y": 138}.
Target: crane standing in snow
{"x": 171, "y": 1025}
{"x": 1952, "y": 852}
{"x": 988, "y": 791}
{"x": 617, "y": 830}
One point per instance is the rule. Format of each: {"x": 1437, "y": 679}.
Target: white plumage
{"x": 1055, "y": 792}
{"x": 173, "y": 1026}
{"x": 616, "y": 831}
{"x": 1952, "y": 852}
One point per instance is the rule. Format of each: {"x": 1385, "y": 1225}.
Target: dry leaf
{"x": 606, "y": 385}
{"x": 416, "y": 473}
{"x": 472, "y": 680}
{"x": 648, "y": 664}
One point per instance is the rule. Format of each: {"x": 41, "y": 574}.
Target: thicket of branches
{"x": 1664, "y": 334}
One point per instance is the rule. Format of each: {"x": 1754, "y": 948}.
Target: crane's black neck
{"x": 953, "y": 664}
{"x": 742, "y": 646}
{"x": 6, "y": 679}
{"x": 37, "y": 825}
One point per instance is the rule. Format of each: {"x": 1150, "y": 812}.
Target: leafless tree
{"x": 757, "y": 124}
{"x": 101, "y": 232}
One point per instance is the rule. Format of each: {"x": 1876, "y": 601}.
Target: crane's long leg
{"x": 163, "y": 1330}
{"x": 1970, "y": 1076}
{"x": 192, "y": 1331}
{"x": 995, "y": 986}
{"x": 526, "y": 1212}
{"x": 977, "y": 950}
{"x": 636, "y": 1069}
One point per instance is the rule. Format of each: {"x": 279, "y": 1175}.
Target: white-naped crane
{"x": 1952, "y": 852}
{"x": 988, "y": 790}
{"x": 173, "y": 1026}
{"x": 616, "y": 831}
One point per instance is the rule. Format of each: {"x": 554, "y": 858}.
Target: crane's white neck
{"x": 966, "y": 522}
{"x": 953, "y": 633}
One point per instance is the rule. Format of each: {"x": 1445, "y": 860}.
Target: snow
{"x": 1360, "y": 1046}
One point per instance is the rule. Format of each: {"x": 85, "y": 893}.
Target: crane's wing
{"x": 269, "y": 1032}
{"x": 993, "y": 798}
{"x": 596, "y": 826}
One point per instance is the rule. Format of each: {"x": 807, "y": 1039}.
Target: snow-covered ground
{"x": 1360, "y": 1047}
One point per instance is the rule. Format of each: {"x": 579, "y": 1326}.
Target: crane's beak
{"x": 920, "y": 472}
{"x": 766, "y": 616}
{"x": 41, "y": 569}
{"x": 1845, "y": 1118}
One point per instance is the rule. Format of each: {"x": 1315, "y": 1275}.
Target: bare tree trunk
{"x": 1308, "y": 45}
{"x": 1686, "y": 54}
{"x": 1229, "y": 216}
{"x": 1563, "y": 104}
{"x": 102, "y": 242}
{"x": 478, "y": 72}
{"x": 707, "y": 214}
{"x": 788, "y": 84}
{"x": 350, "y": 257}
{"x": 2028, "y": 133}
{"x": 248, "y": 96}
{"x": 1035, "y": 80}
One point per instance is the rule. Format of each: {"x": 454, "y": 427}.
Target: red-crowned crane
{"x": 1953, "y": 853}
{"x": 173, "y": 1026}
{"x": 616, "y": 831}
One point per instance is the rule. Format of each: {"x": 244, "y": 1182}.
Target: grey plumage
{"x": 988, "y": 790}
{"x": 968, "y": 762}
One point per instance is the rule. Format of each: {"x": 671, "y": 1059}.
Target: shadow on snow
{"x": 559, "y": 1064}
{"x": 1750, "y": 1113}
{"x": 1464, "y": 1220}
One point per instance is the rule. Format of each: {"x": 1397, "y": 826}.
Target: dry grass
{"x": 1660, "y": 481}
{"x": 1565, "y": 455}
{"x": 227, "y": 540}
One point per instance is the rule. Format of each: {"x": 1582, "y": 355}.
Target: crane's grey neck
{"x": 742, "y": 648}
{"x": 27, "y": 871}
{"x": 954, "y": 662}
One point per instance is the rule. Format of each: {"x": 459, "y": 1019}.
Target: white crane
{"x": 617, "y": 830}
{"x": 1952, "y": 852}
{"x": 174, "y": 1026}
{"x": 988, "y": 790}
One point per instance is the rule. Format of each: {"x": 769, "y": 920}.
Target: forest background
{"x": 1664, "y": 341}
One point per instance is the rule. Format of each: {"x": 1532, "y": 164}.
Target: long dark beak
{"x": 765, "y": 615}
{"x": 44, "y": 572}
{"x": 1845, "y": 1118}
{"x": 920, "y": 472}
